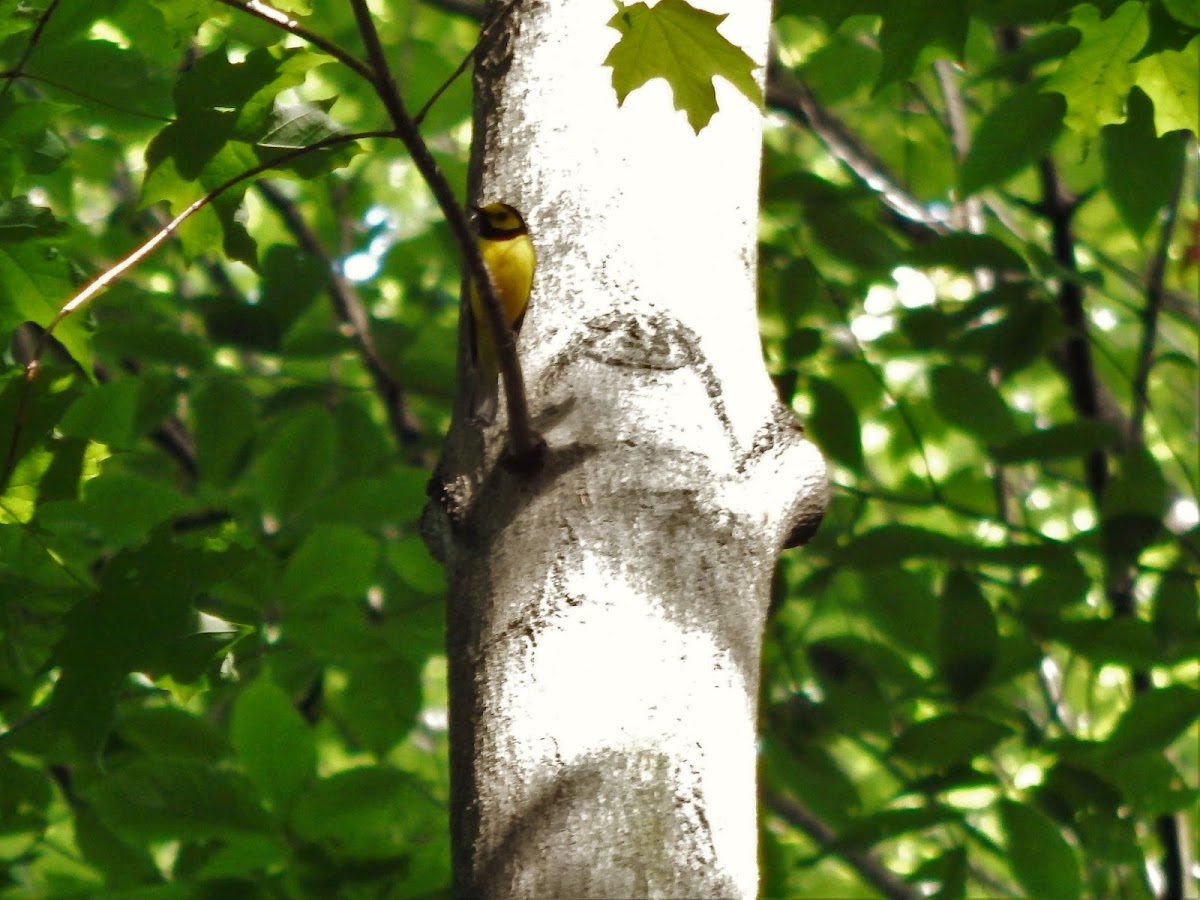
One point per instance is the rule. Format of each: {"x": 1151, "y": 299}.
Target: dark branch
{"x": 34, "y": 39}
{"x": 351, "y": 311}
{"x": 526, "y": 443}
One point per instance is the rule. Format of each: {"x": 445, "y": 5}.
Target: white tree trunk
{"x": 606, "y": 613}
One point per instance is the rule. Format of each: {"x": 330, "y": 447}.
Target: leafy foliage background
{"x": 221, "y": 667}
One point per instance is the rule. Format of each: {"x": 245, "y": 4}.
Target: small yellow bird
{"x": 509, "y": 255}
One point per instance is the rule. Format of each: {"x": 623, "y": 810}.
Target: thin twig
{"x": 526, "y": 443}
{"x": 484, "y": 34}
{"x": 112, "y": 274}
{"x": 34, "y": 39}
{"x": 291, "y": 26}
{"x": 351, "y": 311}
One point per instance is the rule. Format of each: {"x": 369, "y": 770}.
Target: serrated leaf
{"x": 1141, "y": 170}
{"x": 834, "y": 424}
{"x": 1040, "y": 857}
{"x": 969, "y": 401}
{"x": 1017, "y": 132}
{"x": 1095, "y": 76}
{"x": 680, "y": 44}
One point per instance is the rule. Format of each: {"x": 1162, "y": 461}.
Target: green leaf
{"x": 948, "y": 739}
{"x": 162, "y": 800}
{"x": 833, "y": 424}
{"x": 410, "y": 558}
{"x": 380, "y": 704}
{"x": 968, "y": 252}
{"x": 174, "y": 732}
{"x": 396, "y": 498}
{"x": 275, "y": 746}
{"x": 1053, "y": 43}
{"x": 135, "y": 622}
{"x": 1134, "y": 504}
{"x": 968, "y": 636}
{"x": 949, "y": 870}
{"x": 20, "y": 220}
{"x": 1018, "y": 131}
{"x": 96, "y": 68}
{"x": 224, "y": 415}
{"x": 334, "y": 561}
{"x": 1171, "y": 79}
{"x": 1067, "y": 441}
{"x": 356, "y": 812}
{"x": 908, "y": 28}
{"x": 680, "y": 44}
{"x": 107, "y": 413}
{"x": 851, "y": 687}
{"x": 1166, "y": 31}
{"x": 296, "y": 463}
{"x": 1044, "y": 598}
{"x": 1153, "y": 721}
{"x": 1095, "y": 76}
{"x": 35, "y": 283}
{"x": 887, "y": 545}
{"x": 1177, "y": 608}
{"x": 1184, "y": 11}
{"x": 832, "y": 12}
{"x": 966, "y": 399}
{"x": 1122, "y": 642}
{"x": 1142, "y": 171}
{"x": 889, "y": 823}
{"x": 808, "y": 770}
{"x": 29, "y": 410}
{"x": 1040, "y": 858}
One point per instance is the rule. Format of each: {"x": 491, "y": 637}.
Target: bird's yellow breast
{"x": 511, "y": 263}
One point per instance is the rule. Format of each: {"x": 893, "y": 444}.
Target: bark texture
{"x": 606, "y": 613}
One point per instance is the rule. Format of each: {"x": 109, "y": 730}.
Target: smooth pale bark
{"x": 606, "y": 613}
